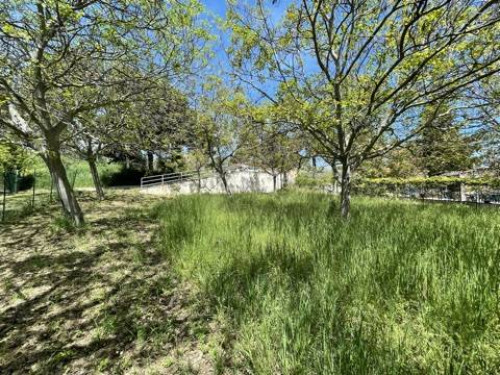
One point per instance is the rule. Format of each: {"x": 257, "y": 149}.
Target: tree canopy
{"x": 355, "y": 73}
{"x": 62, "y": 59}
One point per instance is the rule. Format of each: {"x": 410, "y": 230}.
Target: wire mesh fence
{"x": 445, "y": 192}
{"x": 478, "y": 191}
{"x": 21, "y": 195}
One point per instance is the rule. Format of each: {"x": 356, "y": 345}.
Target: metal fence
{"x": 171, "y": 178}
{"x": 462, "y": 192}
{"x": 13, "y": 203}
{"x": 454, "y": 193}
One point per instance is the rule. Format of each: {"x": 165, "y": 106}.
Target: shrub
{"x": 25, "y": 182}
{"x": 123, "y": 177}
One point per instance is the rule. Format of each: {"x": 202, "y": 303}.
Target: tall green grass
{"x": 400, "y": 288}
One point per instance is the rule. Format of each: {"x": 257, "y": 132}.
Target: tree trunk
{"x": 97, "y": 180}
{"x": 224, "y": 182}
{"x": 149, "y": 161}
{"x": 66, "y": 194}
{"x": 345, "y": 194}
{"x": 199, "y": 180}
{"x": 274, "y": 182}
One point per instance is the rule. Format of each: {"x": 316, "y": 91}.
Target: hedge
{"x": 326, "y": 180}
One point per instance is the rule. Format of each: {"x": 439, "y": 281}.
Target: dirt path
{"x": 99, "y": 300}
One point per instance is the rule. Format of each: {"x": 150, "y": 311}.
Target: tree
{"x": 196, "y": 159}
{"x": 13, "y": 156}
{"x": 221, "y": 127}
{"x": 399, "y": 163}
{"x": 155, "y": 126}
{"x": 60, "y": 59}
{"x": 276, "y": 147}
{"x": 355, "y": 73}
{"x": 441, "y": 147}
{"x": 483, "y": 118}
{"x": 92, "y": 134}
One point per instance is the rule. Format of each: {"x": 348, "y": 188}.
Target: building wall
{"x": 238, "y": 182}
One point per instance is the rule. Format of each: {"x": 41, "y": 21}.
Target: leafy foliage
{"x": 356, "y": 76}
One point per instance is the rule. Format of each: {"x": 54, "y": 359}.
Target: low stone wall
{"x": 238, "y": 182}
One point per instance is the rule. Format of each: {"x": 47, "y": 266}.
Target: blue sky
{"x": 220, "y": 64}
{"x": 218, "y": 7}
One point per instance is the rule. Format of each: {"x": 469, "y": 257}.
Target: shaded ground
{"x": 97, "y": 300}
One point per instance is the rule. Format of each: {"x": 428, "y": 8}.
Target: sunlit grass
{"x": 401, "y": 288}
{"x": 78, "y": 172}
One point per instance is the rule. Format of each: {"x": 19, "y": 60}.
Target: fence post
{"x": 34, "y": 187}
{"x": 74, "y": 179}
{"x": 4, "y": 195}
{"x": 463, "y": 195}
{"x": 51, "y": 188}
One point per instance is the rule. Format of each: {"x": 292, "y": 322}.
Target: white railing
{"x": 170, "y": 178}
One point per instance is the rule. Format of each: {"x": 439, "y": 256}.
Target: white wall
{"x": 238, "y": 181}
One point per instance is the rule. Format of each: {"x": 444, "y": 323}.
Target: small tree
{"x": 94, "y": 133}
{"x": 221, "y": 126}
{"x": 276, "y": 148}
{"x": 196, "y": 160}
{"x": 441, "y": 147}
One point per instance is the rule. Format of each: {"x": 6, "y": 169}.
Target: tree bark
{"x": 149, "y": 161}
{"x": 345, "y": 193}
{"x": 67, "y": 197}
{"x": 96, "y": 178}
{"x": 198, "y": 172}
{"x": 224, "y": 182}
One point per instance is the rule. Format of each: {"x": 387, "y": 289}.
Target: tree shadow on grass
{"x": 109, "y": 307}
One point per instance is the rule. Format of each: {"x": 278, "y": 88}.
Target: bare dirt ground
{"x": 96, "y": 300}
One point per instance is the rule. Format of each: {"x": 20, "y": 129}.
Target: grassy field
{"x": 250, "y": 284}
{"x": 401, "y": 288}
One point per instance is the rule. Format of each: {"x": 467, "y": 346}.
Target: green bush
{"x": 435, "y": 181}
{"x": 123, "y": 177}
{"x": 26, "y": 182}
{"x": 320, "y": 181}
